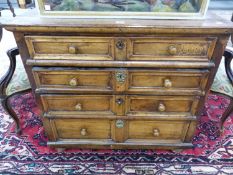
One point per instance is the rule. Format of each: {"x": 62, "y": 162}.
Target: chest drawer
{"x": 157, "y": 130}
{"x": 171, "y": 82}
{"x": 78, "y": 104}
{"x": 161, "y": 105}
{"x": 130, "y": 81}
{"x": 74, "y": 80}
{"x": 171, "y": 48}
{"x": 70, "y": 47}
{"x": 82, "y": 128}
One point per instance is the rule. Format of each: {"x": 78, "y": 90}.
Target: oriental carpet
{"x": 28, "y": 153}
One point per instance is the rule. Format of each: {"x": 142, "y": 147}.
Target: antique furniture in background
{"x": 10, "y": 87}
{"x": 110, "y": 83}
{"x": 228, "y": 87}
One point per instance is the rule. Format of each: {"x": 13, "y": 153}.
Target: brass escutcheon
{"x": 120, "y": 77}
{"x": 119, "y": 101}
{"x": 120, "y": 123}
{"x": 120, "y": 44}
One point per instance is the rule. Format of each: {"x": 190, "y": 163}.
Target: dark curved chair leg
{"x": 228, "y": 54}
{"x": 8, "y": 109}
{"x": 7, "y": 77}
{"x": 226, "y": 113}
{"x": 4, "y": 83}
{"x": 11, "y": 112}
{"x": 11, "y": 8}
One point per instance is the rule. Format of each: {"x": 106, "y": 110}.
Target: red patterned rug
{"x": 28, "y": 154}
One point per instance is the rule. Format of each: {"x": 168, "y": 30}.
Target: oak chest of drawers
{"x": 120, "y": 83}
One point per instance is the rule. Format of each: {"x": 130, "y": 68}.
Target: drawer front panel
{"x": 82, "y": 128}
{"x": 74, "y": 79}
{"x": 171, "y": 48}
{"x": 158, "y": 130}
{"x": 69, "y": 47}
{"x": 132, "y": 81}
{"x": 78, "y": 104}
{"x": 161, "y": 105}
{"x": 167, "y": 81}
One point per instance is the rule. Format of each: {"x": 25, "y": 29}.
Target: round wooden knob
{"x": 83, "y": 132}
{"x": 172, "y": 50}
{"x": 72, "y": 49}
{"x": 161, "y": 107}
{"x": 156, "y": 132}
{"x": 167, "y": 83}
{"x": 73, "y": 82}
{"x": 78, "y": 107}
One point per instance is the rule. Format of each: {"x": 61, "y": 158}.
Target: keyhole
{"x": 120, "y": 45}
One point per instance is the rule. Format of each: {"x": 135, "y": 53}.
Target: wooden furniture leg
{"x": 228, "y": 54}
{"x": 3, "y": 86}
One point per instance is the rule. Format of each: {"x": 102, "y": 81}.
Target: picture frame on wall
{"x": 139, "y": 9}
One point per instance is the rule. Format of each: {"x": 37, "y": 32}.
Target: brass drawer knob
{"x": 172, "y": 50}
{"x": 156, "y": 132}
{"x": 167, "y": 83}
{"x": 161, "y": 107}
{"x": 73, "y": 82}
{"x": 72, "y": 49}
{"x": 78, "y": 107}
{"x": 120, "y": 44}
{"x": 83, "y": 132}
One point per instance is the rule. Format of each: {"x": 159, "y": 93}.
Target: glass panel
{"x": 187, "y": 6}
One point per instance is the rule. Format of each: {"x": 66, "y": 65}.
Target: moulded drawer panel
{"x": 167, "y": 81}
{"x": 158, "y": 130}
{"x": 75, "y": 80}
{"x": 171, "y": 48}
{"x": 82, "y": 128}
{"x": 78, "y": 104}
{"x": 70, "y": 47}
{"x": 161, "y": 105}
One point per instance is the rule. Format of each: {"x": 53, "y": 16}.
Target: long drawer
{"x": 130, "y": 81}
{"x": 130, "y": 105}
{"x": 135, "y": 131}
{"x": 91, "y": 48}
